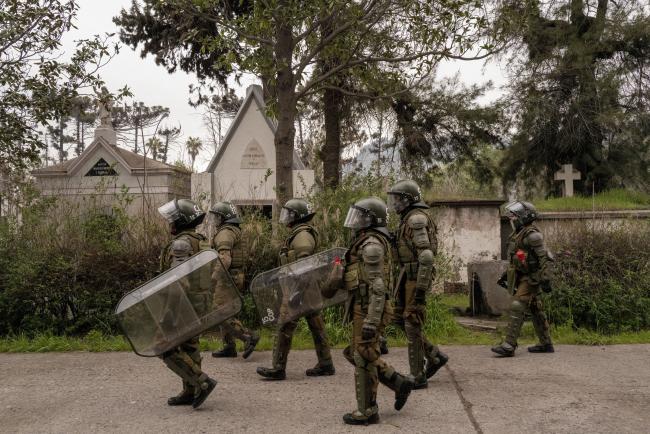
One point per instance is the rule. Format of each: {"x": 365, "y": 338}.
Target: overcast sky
{"x": 154, "y": 86}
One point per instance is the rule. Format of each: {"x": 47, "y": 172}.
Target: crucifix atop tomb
{"x": 567, "y": 174}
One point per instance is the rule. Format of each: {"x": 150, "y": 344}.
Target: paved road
{"x": 576, "y": 390}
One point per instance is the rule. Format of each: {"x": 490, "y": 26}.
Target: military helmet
{"x": 225, "y": 212}
{"x": 182, "y": 213}
{"x": 296, "y": 211}
{"x": 405, "y": 194}
{"x": 369, "y": 212}
{"x": 520, "y": 213}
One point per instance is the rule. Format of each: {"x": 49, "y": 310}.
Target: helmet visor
{"x": 215, "y": 219}
{"x": 169, "y": 211}
{"x": 287, "y": 216}
{"x": 357, "y": 218}
{"x": 514, "y": 209}
{"x": 397, "y": 202}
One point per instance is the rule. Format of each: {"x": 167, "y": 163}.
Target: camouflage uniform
{"x": 368, "y": 277}
{"x": 185, "y": 360}
{"x": 228, "y": 242}
{"x": 527, "y": 275}
{"x": 302, "y": 242}
{"x": 416, "y": 247}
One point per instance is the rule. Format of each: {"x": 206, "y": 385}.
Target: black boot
{"x": 186, "y": 397}
{"x": 251, "y": 343}
{"x": 504, "y": 350}
{"x": 272, "y": 373}
{"x": 434, "y": 365}
{"x": 227, "y": 351}
{"x": 383, "y": 345}
{"x": 403, "y": 391}
{"x": 207, "y": 389}
{"x": 541, "y": 348}
{"x": 420, "y": 382}
{"x": 320, "y": 370}
{"x": 357, "y": 418}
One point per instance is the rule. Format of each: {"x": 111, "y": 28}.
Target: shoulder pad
{"x": 372, "y": 252}
{"x": 225, "y": 238}
{"x": 181, "y": 247}
{"x": 417, "y": 221}
{"x": 535, "y": 238}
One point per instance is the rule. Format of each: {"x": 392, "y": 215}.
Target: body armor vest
{"x": 356, "y": 278}
{"x": 239, "y": 246}
{"x": 522, "y": 258}
{"x": 287, "y": 253}
{"x": 192, "y": 237}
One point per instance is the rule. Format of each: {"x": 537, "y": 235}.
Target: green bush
{"x": 602, "y": 277}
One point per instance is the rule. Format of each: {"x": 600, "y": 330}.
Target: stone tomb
{"x": 104, "y": 171}
{"x": 243, "y": 169}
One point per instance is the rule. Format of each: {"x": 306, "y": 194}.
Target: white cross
{"x": 568, "y": 175}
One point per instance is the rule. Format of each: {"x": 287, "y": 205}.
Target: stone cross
{"x": 568, "y": 175}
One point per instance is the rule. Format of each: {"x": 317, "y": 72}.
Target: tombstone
{"x": 104, "y": 171}
{"x": 567, "y": 174}
{"x": 243, "y": 169}
{"x": 485, "y": 296}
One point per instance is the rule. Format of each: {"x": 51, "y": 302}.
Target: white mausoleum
{"x": 243, "y": 169}
{"x": 105, "y": 172}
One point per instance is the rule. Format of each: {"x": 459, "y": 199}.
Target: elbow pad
{"x": 425, "y": 270}
{"x": 376, "y": 301}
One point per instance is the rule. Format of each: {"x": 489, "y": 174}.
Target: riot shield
{"x": 295, "y": 290}
{"x": 178, "y": 305}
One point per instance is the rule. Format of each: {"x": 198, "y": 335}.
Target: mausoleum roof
{"x": 132, "y": 161}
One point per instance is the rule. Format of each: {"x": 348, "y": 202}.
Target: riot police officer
{"x": 368, "y": 279}
{"x": 185, "y": 360}
{"x": 296, "y": 214}
{"x": 529, "y": 273}
{"x": 416, "y": 247}
{"x": 228, "y": 242}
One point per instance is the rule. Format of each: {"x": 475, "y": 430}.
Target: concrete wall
{"x": 468, "y": 231}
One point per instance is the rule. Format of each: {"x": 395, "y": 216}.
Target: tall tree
{"x": 170, "y": 135}
{"x": 134, "y": 118}
{"x": 279, "y": 40}
{"x": 581, "y": 94}
{"x": 193, "y": 146}
{"x": 36, "y": 86}
{"x": 82, "y": 111}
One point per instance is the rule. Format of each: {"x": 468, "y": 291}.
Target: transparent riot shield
{"x": 295, "y": 290}
{"x": 178, "y": 305}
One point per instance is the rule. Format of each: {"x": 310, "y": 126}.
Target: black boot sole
{"x": 204, "y": 394}
{"x": 250, "y": 347}
{"x": 349, "y": 420}
{"x": 274, "y": 377}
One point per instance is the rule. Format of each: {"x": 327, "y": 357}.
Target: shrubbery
{"x": 602, "y": 277}
{"x": 64, "y": 268}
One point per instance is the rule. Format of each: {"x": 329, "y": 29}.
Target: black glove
{"x": 420, "y": 296}
{"x": 368, "y": 332}
{"x": 503, "y": 280}
{"x": 546, "y": 286}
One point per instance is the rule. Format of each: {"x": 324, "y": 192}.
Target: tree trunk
{"x": 331, "y": 154}
{"x": 286, "y": 112}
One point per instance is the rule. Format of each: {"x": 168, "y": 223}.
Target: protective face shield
{"x": 178, "y": 305}
{"x": 357, "y": 218}
{"x": 514, "y": 212}
{"x": 300, "y": 288}
{"x": 287, "y": 216}
{"x": 398, "y": 202}
{"x": 170, "y": 211}
{"x": 215, "y": 220}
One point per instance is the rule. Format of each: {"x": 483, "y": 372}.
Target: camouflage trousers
{"x": 370, "y": 368}
{"x": 234, "y": 329}
{"x": 410, "y": 316}
{"x": 526, "y": 301}
{"x": 185, "y": 361}
{"x": 282, "y": 344}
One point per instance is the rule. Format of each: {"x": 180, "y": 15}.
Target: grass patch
{"x": 441, "y": 328}
{"x": 617, "y": 199}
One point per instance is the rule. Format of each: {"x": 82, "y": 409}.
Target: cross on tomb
{"x": 568, "y": 175}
